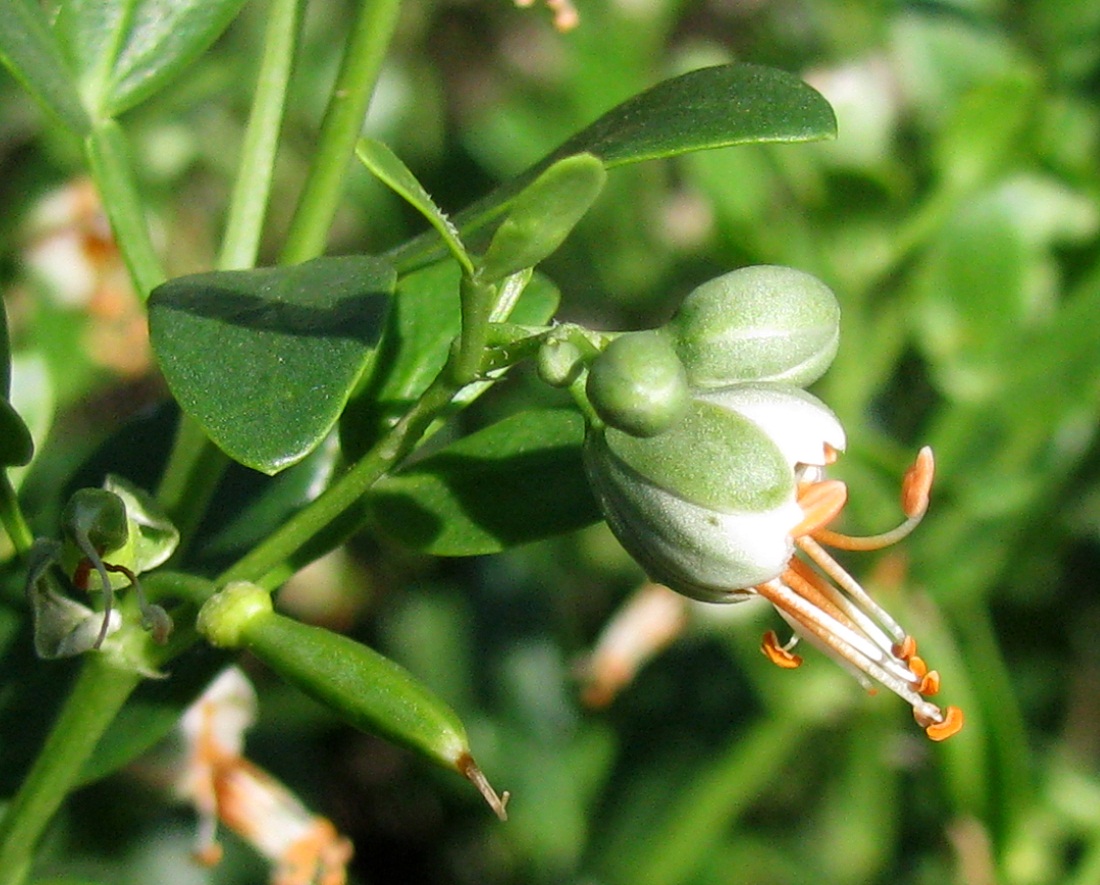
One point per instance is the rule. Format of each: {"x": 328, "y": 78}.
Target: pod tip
{"x": 469, "y": 770}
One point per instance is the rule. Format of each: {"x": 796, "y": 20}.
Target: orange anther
{"x": 917, "y": 484}
{"x": 820, "y": 503}
{"x": 778, "y": 655}
{"x": 917, "y": 665}
{"x": 906, "y": 648}
{"x": 952, "y": 724}
{"x": 929, "y": 683}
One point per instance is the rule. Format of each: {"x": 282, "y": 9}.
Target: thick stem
{"x": 99, "y": 693}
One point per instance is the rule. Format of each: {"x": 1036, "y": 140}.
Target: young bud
{"x": 762, "y": 323}
{"x": 638, "y": 384}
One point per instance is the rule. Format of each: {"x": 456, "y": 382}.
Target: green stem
{"x": 196, "y": 465}
{"x": 11, "y": 516}
{"x": 194, "y": 469}
{"x": 363, "y": 55}
{"x": 108, "y": 158}
{"x": 249, "y": 200}
{"x": 100, "y": 691}
{"x": 272, "y": 560}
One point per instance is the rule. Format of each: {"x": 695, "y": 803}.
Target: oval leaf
{"x": 543, "y": 215}
{"x": 265, "y": 359}
{"x": 516, "y": 481}
{"x": 702, "y": 109}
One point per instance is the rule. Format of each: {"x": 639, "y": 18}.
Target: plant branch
{"x": 100, "y": 691}
{"x": 363, "y": 55}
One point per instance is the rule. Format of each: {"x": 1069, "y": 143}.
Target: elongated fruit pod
{"x": 365, "y": 688}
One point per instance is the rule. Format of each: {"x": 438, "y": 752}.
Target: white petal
{"x": 797, "y": 422}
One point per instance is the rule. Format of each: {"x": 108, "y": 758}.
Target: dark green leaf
{"x": 702, "y": 109}
{"x": 16, "y": 445}
{"x": 519, "y": 480}
{"x": 128, "y": 49}
{"x": 422, "y": 323}
{"x": 29, "y": 51}
{"x": 265, "y": 359}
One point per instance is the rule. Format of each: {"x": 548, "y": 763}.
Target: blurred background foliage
{"x": 957, "y": 217}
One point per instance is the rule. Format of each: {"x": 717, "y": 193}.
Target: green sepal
{"x": 762, "y": 323}
{"x": 638, "y": 384}
{"x": 543, "y": 215}
{"x": 713, "y": 457}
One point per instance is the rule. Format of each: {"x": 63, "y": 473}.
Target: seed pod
{"x": 638, "y": 384}
{"x": 761, "y": 323}
{"x": 365, "y": 688}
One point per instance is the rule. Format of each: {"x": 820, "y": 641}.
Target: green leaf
{"x": 29, "y": 51}
{"x": 702, "y": 109}
{"x": 516, "y": 481}
{"x": 265, "y": 359}
{"x": 543, "y": 215}
{"x": 16, "y": 445}
{"x": 126, "y": 50}
{"x": 421, "y": 325}
{"x": 385, "y": 165}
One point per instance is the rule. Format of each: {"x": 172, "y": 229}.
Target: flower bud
{"x": 638, "y": 384}
{"x": 761, "y": 323}
{"x": 708, "y": 507}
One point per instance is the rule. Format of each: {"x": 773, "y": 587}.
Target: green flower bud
{"x": 708, "y": 507}
{"x": 638, "y": 384}
{"x": 762, "y": 323}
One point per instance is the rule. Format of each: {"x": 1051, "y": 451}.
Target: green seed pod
{"x": 638, "y": 384}
{"x": 762, "y": 323}
{"x": 365, "y": 688}
{"x": 708, "y": 507}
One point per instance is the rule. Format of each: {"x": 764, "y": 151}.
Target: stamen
{"x": 851, "y": 586}
{"x": 952, "y": 724}
{"x": 917, "y": 665}
{"x": 929, "y": 684}
{"x": 906, "y": 648}
{"x": 838, "y": 638}
{"x": 917, "y": 484}
{"x": 821, "y": 502}
{"x": 914, "y": 502}
{"x": 780, "y": 655}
